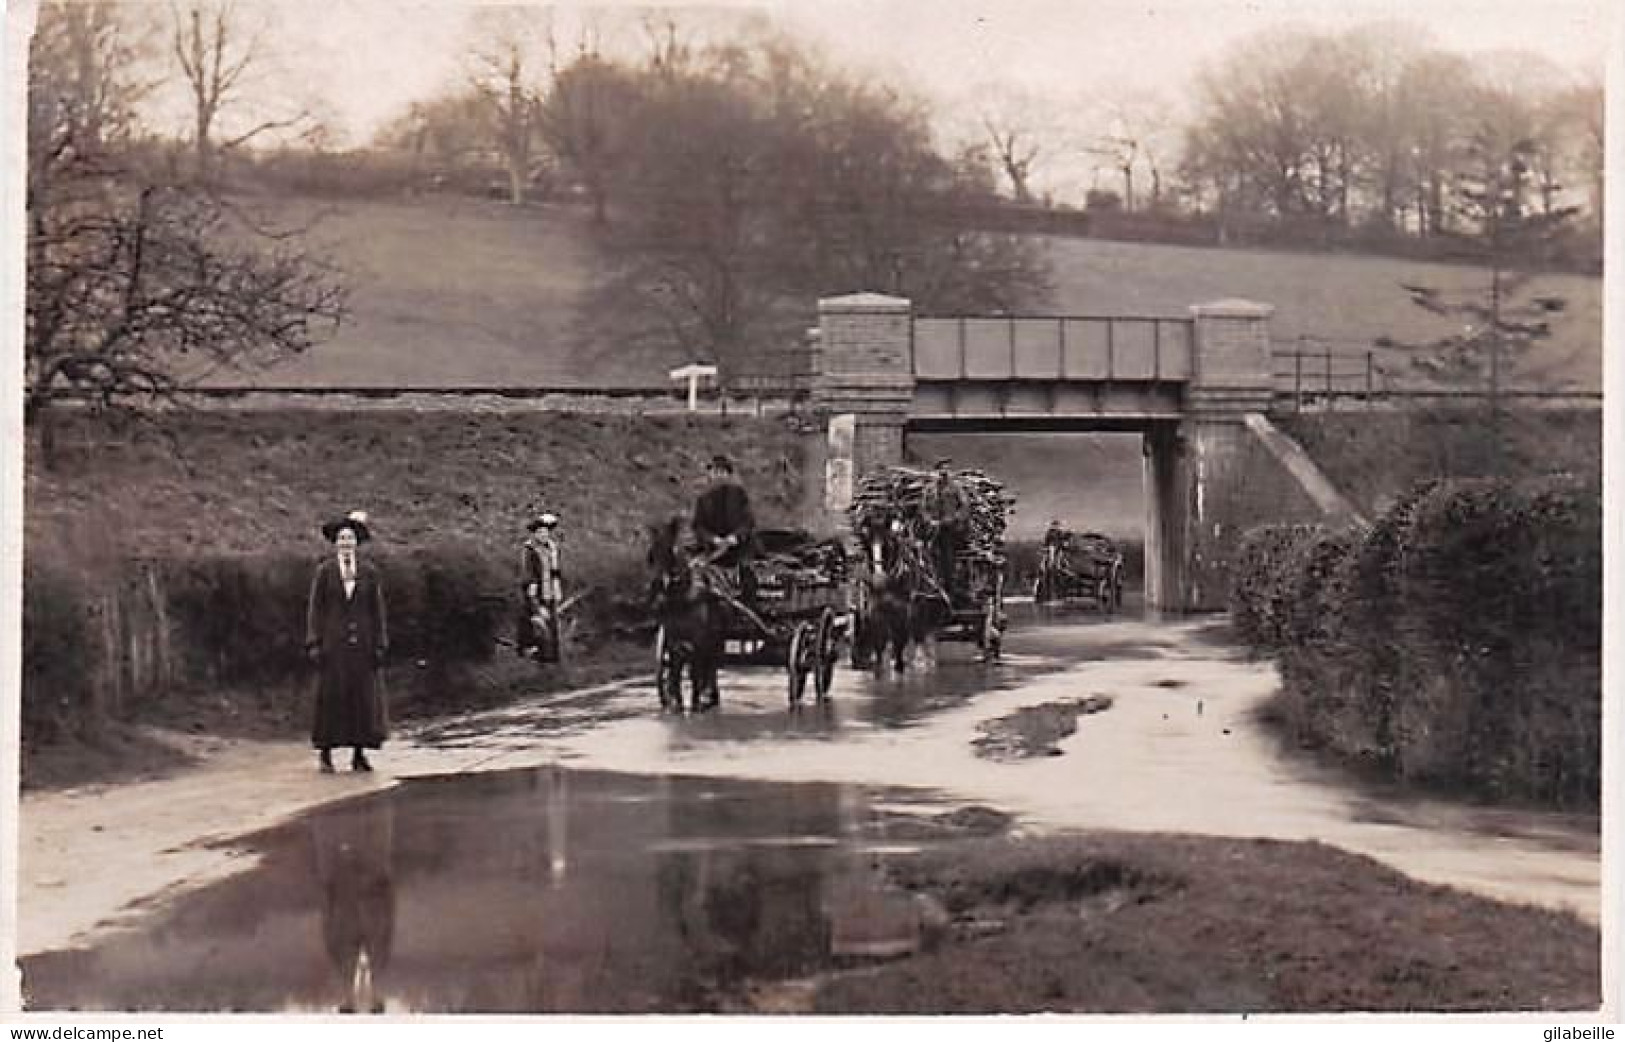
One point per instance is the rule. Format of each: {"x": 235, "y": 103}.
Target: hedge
{"x": 1456, "y": 643}
{"x": 97, "y": 647}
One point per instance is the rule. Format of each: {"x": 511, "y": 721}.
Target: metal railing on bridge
{"x": 1313, "y": 377}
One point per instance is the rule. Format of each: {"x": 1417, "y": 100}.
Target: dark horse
{"x": 692, "y": 621}
{"x": 902, "y": 603}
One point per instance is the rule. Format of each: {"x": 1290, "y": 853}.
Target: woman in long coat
{"x": 347, "y": 637}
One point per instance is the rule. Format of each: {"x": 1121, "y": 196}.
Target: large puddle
{"x": 541, "y": 890}
{"x": 584, "y": 853}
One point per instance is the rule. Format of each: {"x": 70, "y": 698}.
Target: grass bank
{"x": 1142, "y": 924}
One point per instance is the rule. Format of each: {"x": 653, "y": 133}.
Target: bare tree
{"x": 1578, "y": 116}
{"x": 1134, "y": 132}
{"x": 219, "y": 48}
{"x": 585, "y": 121}
{"x": 1435, "y": 96}
{"x": 508, "y": 66}
{"x": 135, "y": 289}
{"x": 1014, "y": 125}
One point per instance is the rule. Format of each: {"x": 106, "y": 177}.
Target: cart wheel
{"x": 824, "y": 652}
{"x": 796, "y": 663}
{"x": 668, "y": 674}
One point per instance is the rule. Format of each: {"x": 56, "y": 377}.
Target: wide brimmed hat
{"x": 722, "y": 462}
{"x": 355, "y": 520}
{"x": 546, "y": 519}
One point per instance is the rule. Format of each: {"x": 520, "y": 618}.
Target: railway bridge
{"x": 1198, "y": 389}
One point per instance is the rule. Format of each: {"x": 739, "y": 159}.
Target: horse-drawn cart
{"x": 1089, "y": 568}
{"x": 934, "y": 561}
{"x": 797, "y": 617}
{"x": 976, "y": 603}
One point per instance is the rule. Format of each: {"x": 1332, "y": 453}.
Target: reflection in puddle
{"x": 540, "y": 891}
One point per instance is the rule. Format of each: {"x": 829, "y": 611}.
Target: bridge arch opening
{"x": 1091, "y": 481}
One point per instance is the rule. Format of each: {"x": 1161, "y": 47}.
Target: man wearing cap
{"x": 1058, "y": 537}
{"x": 542, "y": 590}
{"x": 944, "y": 509}
{"x": 347, "y": 637}
{"x": 723, "y": 524}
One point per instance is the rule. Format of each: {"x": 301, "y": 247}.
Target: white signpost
{"x": 693, "y": 374}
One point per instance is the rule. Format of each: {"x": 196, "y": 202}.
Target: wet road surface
{"x": 586, "y": 853}
{"x": 537, "y": 890}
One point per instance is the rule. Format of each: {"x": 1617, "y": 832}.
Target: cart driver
{"x": 945, "y": 511}
{"x": 1057, "y": 538}
{"x": 724, "y": 526}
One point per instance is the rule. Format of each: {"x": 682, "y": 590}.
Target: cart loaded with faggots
{"x": 1087, "y": 567}
{"x": 932, "y": 560}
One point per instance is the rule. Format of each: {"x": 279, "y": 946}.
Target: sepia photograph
{"x": 780, "y": 509}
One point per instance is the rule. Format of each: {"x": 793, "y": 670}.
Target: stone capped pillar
{"x": 863, "y": 379}
{"x": 1232, "y": 372}
{"x": 1232, "y": 375}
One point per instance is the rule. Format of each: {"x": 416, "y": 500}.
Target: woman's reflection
{"x": 354, "y": 844}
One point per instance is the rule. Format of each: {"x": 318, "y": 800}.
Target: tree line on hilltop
{"x": 730, "y": 175}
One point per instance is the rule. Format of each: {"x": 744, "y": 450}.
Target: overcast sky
{"x": 367, "y": 58}
{"x": 357, "y": 63}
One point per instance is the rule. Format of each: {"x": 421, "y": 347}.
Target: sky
{"x": 358, "y": 63}
{"x": 364, "y": 60}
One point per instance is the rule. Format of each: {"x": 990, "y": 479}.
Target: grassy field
{"x": 449, "y": 292}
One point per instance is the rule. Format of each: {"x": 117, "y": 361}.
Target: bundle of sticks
{"x": 978, "y": 502}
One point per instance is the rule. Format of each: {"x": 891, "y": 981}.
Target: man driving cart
{"x": 724, "y": 526}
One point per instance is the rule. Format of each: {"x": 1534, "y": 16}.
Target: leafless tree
{"x": 135, "y": 289}
{"x": 219, "y": 48}
{"x": 1134, "y": 132}
{"x": 585, "y": 121}
{"x": 508, "y": 67}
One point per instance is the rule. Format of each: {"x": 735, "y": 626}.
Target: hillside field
{"x": 456, "y": 292}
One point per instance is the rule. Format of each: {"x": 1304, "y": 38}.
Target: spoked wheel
{"x": 668, "y": 673}
{"x": 803, "y": 645}
{"x": 824, "y": 653}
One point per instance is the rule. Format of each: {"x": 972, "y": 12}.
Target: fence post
{"x": 1330, "y": 402}
{"x": 1297, "y": 379}
{"x": 1370, "y": 389}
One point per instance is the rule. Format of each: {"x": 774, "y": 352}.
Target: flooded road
{"x": 1181, "y": 749}
{"x": 584, "y": 853}
{"x": 539, "y": 890}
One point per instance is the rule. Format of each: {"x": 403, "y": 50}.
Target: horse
{"x": 903, "y": 604}
{"x": 692, "y": 619}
